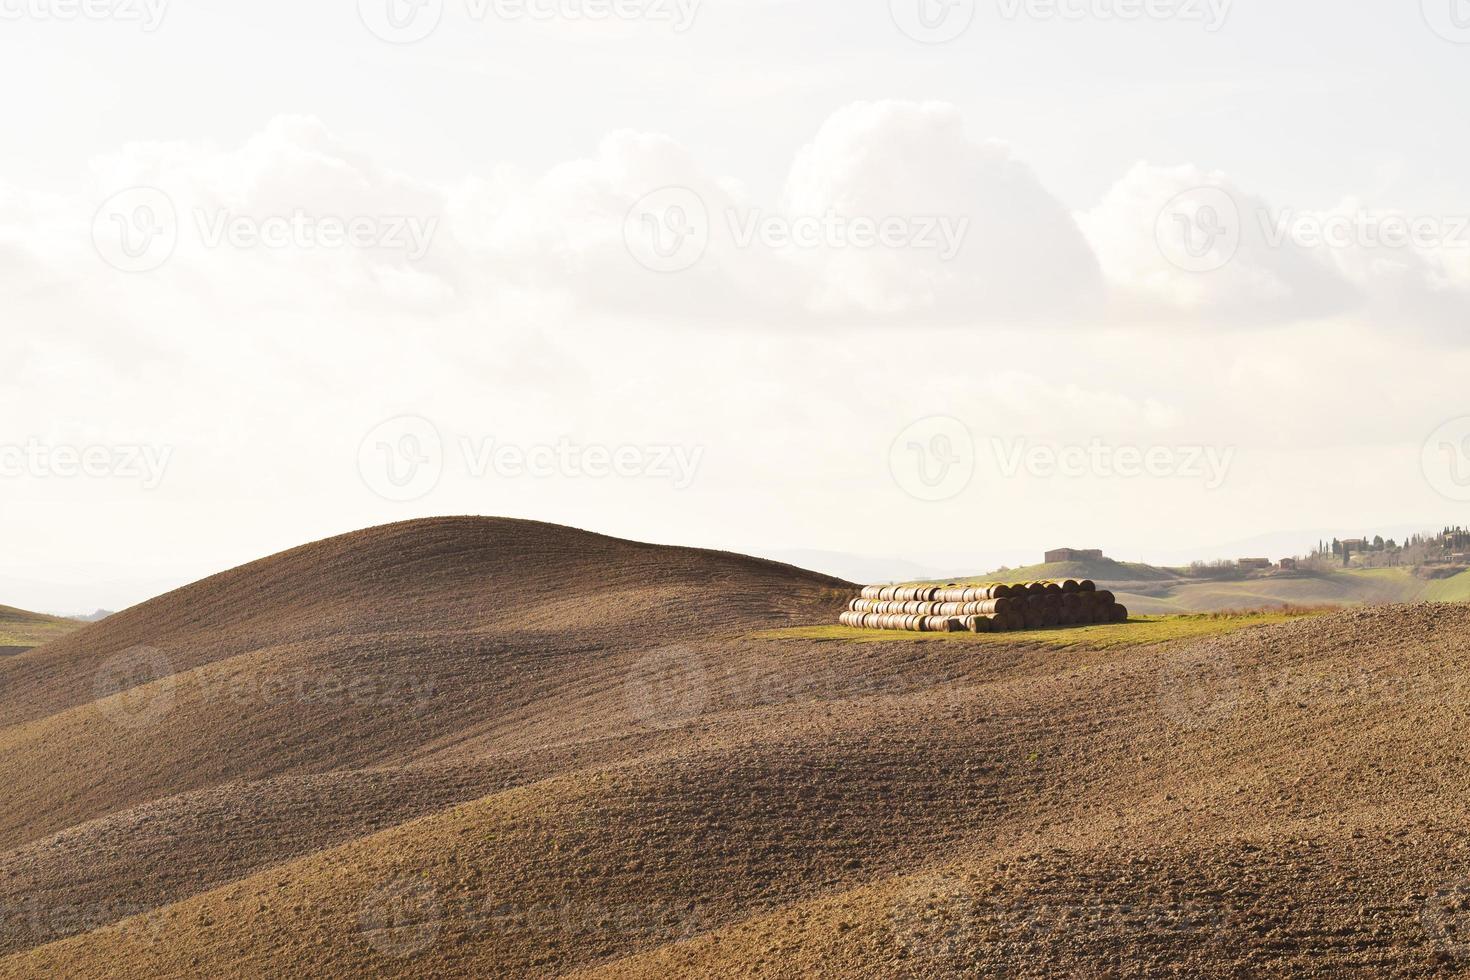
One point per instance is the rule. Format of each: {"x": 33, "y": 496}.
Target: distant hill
{"x": 22, "y": 630}
{"x": 1149, "y": 590}
{"x": 853, "y": 567}
{"x": 1102, "y": 570}
{"x": 95, "y": 617}
{"x": 1359, "y": 586}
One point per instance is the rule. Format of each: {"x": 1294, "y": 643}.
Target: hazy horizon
{"x": 122, "y": 589}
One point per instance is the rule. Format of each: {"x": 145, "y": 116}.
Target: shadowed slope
{"x": 322, "y": 674}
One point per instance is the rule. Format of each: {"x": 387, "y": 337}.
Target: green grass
{"x": 1159, "y": 592}
{"x": 19, "y": 628}
{"x": 1455, "y": 589}
{"x": 1138, "y": 631}
{"x": 1342, "y": 587}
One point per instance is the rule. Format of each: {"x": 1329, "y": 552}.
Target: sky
{"x": 938, "y": 281}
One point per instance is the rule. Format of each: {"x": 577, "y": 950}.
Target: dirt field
{"x": 495, "y": 748}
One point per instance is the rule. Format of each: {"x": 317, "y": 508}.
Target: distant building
{"x": 1254, "y": 564}
{"x": 1356, "y": 544}
{"x": 1072, "y": 554}
{"x": 1288, "y": 564}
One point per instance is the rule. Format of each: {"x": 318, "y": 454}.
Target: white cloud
{"x": 530, "y": 319}
{"x": 1022, "y": 254}
{"x": 1182, "y": 242}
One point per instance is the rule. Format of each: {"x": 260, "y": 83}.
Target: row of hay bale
{"x": 974, "y": 593}
{"x": 994, "y": 608}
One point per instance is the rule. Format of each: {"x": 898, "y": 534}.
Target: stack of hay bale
{"x": 995, "y": 608}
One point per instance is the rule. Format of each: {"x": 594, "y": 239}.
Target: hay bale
{"x": 972, "y": 594}
{"x": 985, "y": 608}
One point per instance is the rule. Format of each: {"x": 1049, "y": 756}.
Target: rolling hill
{"x": 21, "y": 630}
{"x": 1363, "y": 586}
{"x": 1101, "y": 570}
{"x": 495, "y": 748}
{"x": 1152, "y": 591}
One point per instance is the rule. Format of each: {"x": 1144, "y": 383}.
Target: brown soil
{"x": 494, "y": 748}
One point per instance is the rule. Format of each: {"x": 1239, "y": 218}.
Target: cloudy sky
{"x": 911, "y": 279}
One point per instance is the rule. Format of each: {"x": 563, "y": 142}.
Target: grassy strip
{"x": 1138, "y": 631}
{"x": 25, "y": 629}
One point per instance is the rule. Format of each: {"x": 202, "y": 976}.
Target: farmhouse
{"x": 1254, "y": 564}
{"x": 1072, "y": 554}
